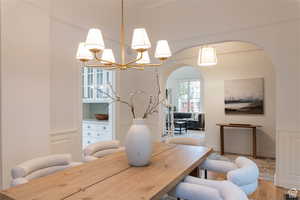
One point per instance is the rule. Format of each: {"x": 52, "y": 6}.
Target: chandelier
{"x": 89, "y": 51}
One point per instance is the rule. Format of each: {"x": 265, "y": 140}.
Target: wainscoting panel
{"x": 66, "y": 141}
{"x": 288, "y": 162}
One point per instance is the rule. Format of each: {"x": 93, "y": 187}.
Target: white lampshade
{"x": 83, "y": 54}
{"x": 207, "y": 56}
{"x": 108, "y": 55}
{"x": 145, "y": 58}
{"x": 140, "y": 40}
{"x": 162, "y": 49}
{"x": 94, "y": 40}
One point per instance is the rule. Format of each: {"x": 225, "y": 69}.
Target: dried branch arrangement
{"x": 153, "y": 103}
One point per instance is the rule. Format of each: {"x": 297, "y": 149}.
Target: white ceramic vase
{"x": 138, "y": 144}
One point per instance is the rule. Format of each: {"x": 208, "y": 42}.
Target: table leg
{"x": 180, "y": 125}
{"x": 195, "y": 172}
{"x": 254, "y": 141}
{"x": 186, "y": 127}
{"x": 222, "y": 139}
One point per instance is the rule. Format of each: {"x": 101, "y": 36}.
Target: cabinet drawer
{"x": 95, "y": 134}
{"x": 91, "y": 140}
{"x": 87, "y": 141}
{"x": 94, "y": 127}
{"x": 101, "y": 128}
{"x": 87, "y": 126}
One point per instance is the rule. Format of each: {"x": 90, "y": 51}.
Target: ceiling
{"x": 149, "y": 3}
{"x": 221, "y": 48}
{"x": 136, "y": 3}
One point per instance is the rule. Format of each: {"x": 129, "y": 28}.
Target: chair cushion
{"x": 105, "y": 152}
{"x": 99, "y": 146}
{"x": 218, "y": 166}
{"x": 182, "y": 115}
{"x": 249, "y": 189}
{"x": 227, "y": 190}
{"x": 89, "y": 158}
{"x": 24, "y": 169}
{"x": 243, "y": 162}
{"x": 196, "y": 192}
{"x": 46, "y": 171}
{"x": 246, "y": 174}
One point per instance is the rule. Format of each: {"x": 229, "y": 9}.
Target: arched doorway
{"x": 185, "y": 92}
{"x": 236, "y": 61}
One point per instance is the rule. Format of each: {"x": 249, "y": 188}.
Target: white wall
{"x": 0, "y": 99}
{"x": 40, "y": 79}
{"x": 253, "y": 64}
{"x": 25, "y": 82}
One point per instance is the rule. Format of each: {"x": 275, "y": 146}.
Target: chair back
{"x": 186, "y": 141}
{"x": 100, "y": 149}
{"x": 246, "y": 175}
{"x": 39, "y": 167}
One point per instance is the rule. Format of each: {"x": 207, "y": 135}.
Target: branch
{"x": 152, "y": 106}
{"x": 117, "y": 98}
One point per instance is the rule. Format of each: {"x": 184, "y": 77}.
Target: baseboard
{"x": 286, "y": 183}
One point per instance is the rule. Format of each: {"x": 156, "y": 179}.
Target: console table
{"x": 250, "y": 126}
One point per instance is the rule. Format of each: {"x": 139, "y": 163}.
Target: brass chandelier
{"x": 89, "y": 51}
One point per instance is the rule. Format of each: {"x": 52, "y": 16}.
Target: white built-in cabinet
{"x": 92, "y": 80}
{"x": 94, "y": 130}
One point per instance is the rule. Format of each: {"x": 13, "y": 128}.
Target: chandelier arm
{"x": 138, "y": 68}
{"x": 102, "y": 65}
{"x": 148, "y": 65}
{"x": 109, "y": 63}
{"x": 135, "y": 60}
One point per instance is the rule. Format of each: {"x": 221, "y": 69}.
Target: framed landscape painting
{"x": 244, "y": 96}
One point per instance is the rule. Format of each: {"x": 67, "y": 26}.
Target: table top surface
{"x": 111, "y": 178}
{"x": 239, "y": 125}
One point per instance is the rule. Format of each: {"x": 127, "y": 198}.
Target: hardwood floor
{"x": 266, "y": 189}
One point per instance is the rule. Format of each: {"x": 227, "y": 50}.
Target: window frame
{"x": 179, "y": 81}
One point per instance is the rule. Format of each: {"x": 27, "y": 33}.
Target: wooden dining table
{"x": 111, "y": 178}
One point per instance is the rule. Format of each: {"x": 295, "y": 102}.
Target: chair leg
{"x": 205, "y": 173}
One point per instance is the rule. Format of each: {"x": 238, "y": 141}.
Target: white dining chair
{"x": 192, "y": 188}
{"x": 100, "y": 149}
{"x": 40, "y": 167}
{"x": 195, "y": 141}
{"x": 243, "y": 172}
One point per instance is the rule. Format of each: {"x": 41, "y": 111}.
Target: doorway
{"x": 185, "y": 90}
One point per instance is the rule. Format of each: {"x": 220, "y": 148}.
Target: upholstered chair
{"x": 195, "y": 141}
{"x": 243, "y": 172}
{"x": 39, "y": 167}
{"x": 100, "y": 149}
{"x": 192, "y": 188}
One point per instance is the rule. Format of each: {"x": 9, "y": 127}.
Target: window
{"x": 189, "y": 96}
